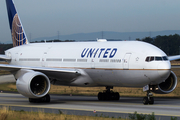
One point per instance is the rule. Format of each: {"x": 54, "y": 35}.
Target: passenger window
{"x": 152, "y": 58}
{"x": 158, "y": 58}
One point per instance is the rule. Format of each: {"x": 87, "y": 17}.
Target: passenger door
{"x": 126, "y": 61}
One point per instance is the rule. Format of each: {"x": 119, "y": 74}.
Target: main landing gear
{"x": 108, "y": 94}
{"x": 45, "y": 99}
{"x": 149, "y": 99}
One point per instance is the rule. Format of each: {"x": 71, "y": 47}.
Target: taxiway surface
{"x": 163, "y": 108}
{"x": 86, "y": 105}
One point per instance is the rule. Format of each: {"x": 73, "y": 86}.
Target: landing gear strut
{"x": 108, "y": 94}
{"x": 149, "y": 99}
{"x": 45, "y": 99}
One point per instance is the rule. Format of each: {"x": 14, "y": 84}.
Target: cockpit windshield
{"x": 156, "y": 58}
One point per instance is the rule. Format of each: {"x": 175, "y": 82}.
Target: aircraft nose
{"x": 164, "y": 66}
{"x": 164, "y": 69}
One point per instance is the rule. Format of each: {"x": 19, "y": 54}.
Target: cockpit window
{"x": 151, "y": 58}
{"x": 156, "y": 58}
{"x": 165, "y": 58}
{"x": 147, "y": 59}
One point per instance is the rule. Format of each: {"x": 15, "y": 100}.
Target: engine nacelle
{"x": 167, "y": 86}
{"x": 33, "y": 84}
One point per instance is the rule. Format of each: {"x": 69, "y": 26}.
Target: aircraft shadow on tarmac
{"x": 133, "y": 100}
{"x": 61, "y": 99}
{"x": 66, "y": 99}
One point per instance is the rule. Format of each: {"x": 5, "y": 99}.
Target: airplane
{"x": 102, "y": 63}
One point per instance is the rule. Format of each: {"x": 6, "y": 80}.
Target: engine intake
{"x": 33, "y": 84}
{"x": 166, "y": 87}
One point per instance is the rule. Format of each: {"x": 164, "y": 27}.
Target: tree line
{"x": 4, "y": 47}
{"x": 169, "y": 44}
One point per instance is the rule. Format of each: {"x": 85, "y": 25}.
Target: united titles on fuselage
{"x": 99, "y": 52}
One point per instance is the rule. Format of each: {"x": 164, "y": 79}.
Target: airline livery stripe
{"x": 109, "y": 68}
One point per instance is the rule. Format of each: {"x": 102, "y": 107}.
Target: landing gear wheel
{"x": 45, "y": 99}
{"x": 100, "y": 96}
{"x": 30, "y": 100}
{"x": 117, "y": 96}
{"x": 151, "y": 100}
{"x": 145, "y": 100}
{"x": 108, "y": 94}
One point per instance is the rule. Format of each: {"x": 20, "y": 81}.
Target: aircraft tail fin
{"x": 17, "y": 30}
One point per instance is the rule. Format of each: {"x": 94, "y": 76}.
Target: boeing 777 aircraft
{"x": 86, "y": 64}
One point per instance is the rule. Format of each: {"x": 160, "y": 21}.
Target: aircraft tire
{"x": 151, "y": 101}
{"x": 145, "y": 100}
{"x": 30, "y": 100}
{"x": 117, "y": 96}
{"x": 108, "y": 96}
{"x": 100, "y": 96}
{"x": 45, "y": 99}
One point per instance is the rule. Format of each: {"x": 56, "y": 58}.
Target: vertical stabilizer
{"x": 17, "y": 30}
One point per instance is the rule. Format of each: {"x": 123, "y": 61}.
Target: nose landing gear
{"x": 149, "y": 99}
{"x": 108, "y": 94}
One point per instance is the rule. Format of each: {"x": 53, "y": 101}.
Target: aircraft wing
{"x": 176, "y": 57}
{"x": 54, "y": 73}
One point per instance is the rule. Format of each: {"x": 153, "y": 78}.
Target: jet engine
{"x": 167, "y": 86}
{"x": 33, "y": 84}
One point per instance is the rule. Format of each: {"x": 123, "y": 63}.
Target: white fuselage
{"x": 120, "y": 63}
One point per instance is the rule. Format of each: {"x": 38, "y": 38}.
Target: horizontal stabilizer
{"x": 4, "y": 57}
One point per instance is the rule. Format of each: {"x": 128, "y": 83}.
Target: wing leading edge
{"x": 176, "y": 57}
{"x": 54, "y": 73}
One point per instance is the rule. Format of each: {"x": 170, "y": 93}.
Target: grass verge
{"x": 7, "y": 114}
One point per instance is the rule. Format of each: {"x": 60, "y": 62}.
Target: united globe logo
{"x": 18, "y": 35}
